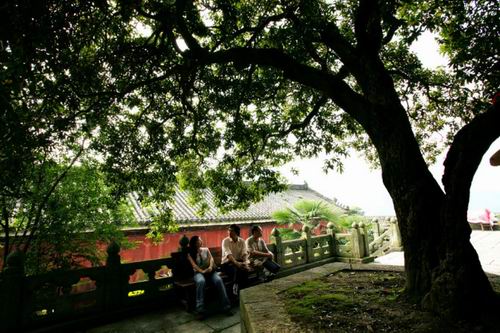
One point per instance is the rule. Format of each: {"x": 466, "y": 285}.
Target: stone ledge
{"x": 261, "y": 309}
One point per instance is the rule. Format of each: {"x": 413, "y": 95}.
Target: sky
{"x": 361, "y": 186}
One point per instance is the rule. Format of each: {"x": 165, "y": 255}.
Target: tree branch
{"x": 367, "y": 26}
{"x": 191, "y": 42}
{"x": 306, "y": 121}
{"x": 47, "y": 196}
{"x": 331, "y": 86}
{"x": 394, "y": 26}
{"x": 263, "y": 23}
{"x": 294, "y": 126}
{"x": 495, "y": 159}
{"x": 333, "y": 39}
{"x": 466, "y": 152}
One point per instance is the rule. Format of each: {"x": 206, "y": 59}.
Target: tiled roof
{"x": 184, "y": 213}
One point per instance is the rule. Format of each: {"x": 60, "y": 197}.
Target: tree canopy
{"x": 218, "y": 93}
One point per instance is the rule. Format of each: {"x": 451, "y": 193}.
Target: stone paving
{"x": 486, "y": 243}
{"x": 175, "y": 319}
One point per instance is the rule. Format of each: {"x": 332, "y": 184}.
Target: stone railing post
{"x": 366, "y": 242}
{"x": 396, "y": 242}
{"x": 306, "y": 235}
{"x": 278, "y": 242}
{"x": 387, "y": 224}
{"x": 358, "y": 248}
{"x": 184, "y": 243}
{"x": 12, "y": 292}
{"x": 330, "y": 230}
{"x": 376, "y": 228}
{"x": 115, "y": 282}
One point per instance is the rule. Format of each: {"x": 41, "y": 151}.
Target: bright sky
{"x": 360, "y": 186}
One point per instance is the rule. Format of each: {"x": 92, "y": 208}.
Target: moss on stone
{"x": 305, "y": 299}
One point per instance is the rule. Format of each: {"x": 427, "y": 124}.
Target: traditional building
{"x": 212, "y": 226}
{"x": 186, "y": 214}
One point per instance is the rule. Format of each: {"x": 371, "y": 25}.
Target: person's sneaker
{"x": 235, "y": 289}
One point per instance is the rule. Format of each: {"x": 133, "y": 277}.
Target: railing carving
{"x": 386, "y": 237}
{"x": 58, "y": 296}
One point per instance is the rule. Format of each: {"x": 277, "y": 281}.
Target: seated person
{"x": 235, "y": 258}
{"x": 260, "y": 256}
{"x": 204, "y": 269}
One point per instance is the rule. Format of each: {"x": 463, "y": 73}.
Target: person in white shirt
{"x": 204, "y": 269}
{"x": 260, "y": 256}
{"x": 235, "y": 258}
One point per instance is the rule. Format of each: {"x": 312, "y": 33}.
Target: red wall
{"x": 212, "y": 237}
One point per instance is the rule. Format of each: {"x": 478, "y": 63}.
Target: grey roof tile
{"x": 186, "y": 213}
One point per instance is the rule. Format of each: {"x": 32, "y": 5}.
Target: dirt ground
{"x": 365, "y": 301}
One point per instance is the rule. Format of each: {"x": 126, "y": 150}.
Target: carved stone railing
{"x": 29, "y": 302}
{"x": 343, "y": 246}
{"x": 386, "y": 237}
{"x": 309, "y": 249}
{"x": 321, "y": 247}
{"x": 58, "y": 296}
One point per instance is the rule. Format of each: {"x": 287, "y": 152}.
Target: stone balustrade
{"x": 60, "y": 297}
{"x": 29, "y": 302}
{"x": 386, "y": 237}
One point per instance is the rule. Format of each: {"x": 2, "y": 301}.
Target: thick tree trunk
{"x": 416, "y": 196}
{"x": 459, "y": 279}
{"x": 443, "y": 270}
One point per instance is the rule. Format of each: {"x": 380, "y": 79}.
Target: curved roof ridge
{"x": 184, "y": 212}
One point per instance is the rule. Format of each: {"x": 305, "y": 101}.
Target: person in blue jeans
{"x": 260, "y": 256}
{"x": 204, "y": 270}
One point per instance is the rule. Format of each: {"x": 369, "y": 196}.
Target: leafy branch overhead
{"x": 239, "y": 87}
{"x": 229, "y": 91}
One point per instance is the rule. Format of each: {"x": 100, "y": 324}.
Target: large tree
{"x": 55, "y": 204}
{"x": 218, "y": 93}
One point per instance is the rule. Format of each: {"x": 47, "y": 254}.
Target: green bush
{"x": 80, "y": 214}
{"x": 309, "y": 213}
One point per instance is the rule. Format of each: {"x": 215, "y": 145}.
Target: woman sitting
{"x": 204, "y": 269}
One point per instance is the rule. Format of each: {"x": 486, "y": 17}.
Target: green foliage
{"x": 80, "y": 214}
{"x": 307, "y": 213}
{"x": 289, "y": 234}
{"x": 214, "y": 115}
{"x": 467, "y": 33}
{"x": 346, "y": 221}
{"x": 355, "y": 211}
{"x": 160, "y": 224}
{"x": 353, "y": 215}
